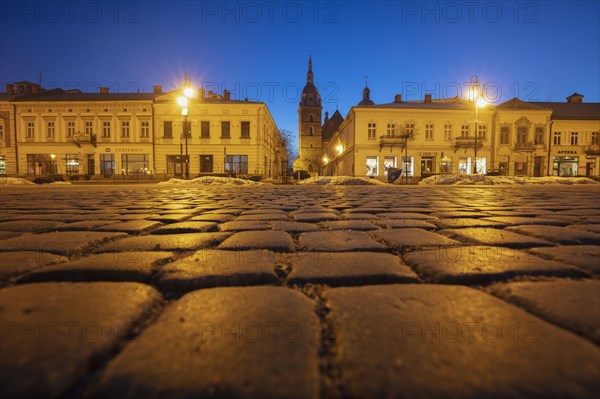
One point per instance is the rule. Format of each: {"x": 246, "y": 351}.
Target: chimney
{"x": 226, "y": 95}
{"x": 35, "y": 88}
{"x": 427, "y": 98}
{"x": 103, "y": 90}
{"x": 10, "y": 88}
{"x": 575, "y": 98}
{"x": 157, "y": 89}
{"x": 398, "y": 98}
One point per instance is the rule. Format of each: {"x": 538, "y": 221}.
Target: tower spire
{"x": 310, "y": 75}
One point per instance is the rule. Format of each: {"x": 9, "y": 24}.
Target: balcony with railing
{"x": 468, "y": 142}
{"x": 80, "y": 139}
{"x": 394, "y": 141}
{"x": 528, "y": 146}
{"x": 593, "y": 149}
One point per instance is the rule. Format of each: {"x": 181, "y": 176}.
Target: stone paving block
{"x": 212, "y": 217}
{"x": 277, "y": 241}
{"x": 339, "y": 241}
{"x": 294, "y": 227}
{"x": 263, "y": 211}
{"x": 130, "y": 226}
{"x": 84, "y": 225}
{"x": 253, "y": 342}
{"x": 490, "y": 236}
{"x": 518, "y": 220}
{"x": 574, "y": 305}
{"x": 134, "y": 216}
{"x": 358, "y": 225}
{"x": 30, "y": 226}
{"x": 53, "y": 334}
{"x": 560, "y": 235}
{"x": 9, "y": 234}
{"x": 467, "y": 222}
{"x": 586, "y": 257}
{"x": 349, "y": 268}
{"x": 405, "y": 215}
{"x": 359, "y": 216}
{"x": 315, "y": 217}
{"x": 171, "y": 242}
{"x": 16, "y": 263}
{"x": 405, "y": 223}
{"x": 68, "y": 243}
{"x": 107, "y": 266}
{"x": 449, "y": 341}
{"x": 483, "y": 264}
{"x": 408, "y": 238}
{"x": 213, "y": 268}
{"x": 247, "y": 225}
{"x": 262, "y": 216}
{"x": 594, "y": 228}
{"x": 459, "y": 214}
{"x": 170, "y": 218}
{"x": 186, "y": 227}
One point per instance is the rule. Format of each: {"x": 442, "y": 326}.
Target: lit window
{"x": 372, "y": 166}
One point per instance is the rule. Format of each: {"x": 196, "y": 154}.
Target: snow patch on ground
{"x": 340, "y": 180}
{"x": 60, "y": 183}
{"x": 210, "y": 180}
{"x": 14, "y": 181}
{"x": 502, "y": 180}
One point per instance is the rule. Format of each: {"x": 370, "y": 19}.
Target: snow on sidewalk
{"x": 210, "y": 180}
{"x": 484, "y": 180}
{"x": 340, "y": 181}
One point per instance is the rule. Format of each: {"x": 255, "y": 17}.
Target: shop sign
{"x": 571, "y": 152}
{"x": 428, "y": 154}
{"x": 107, "y": 149}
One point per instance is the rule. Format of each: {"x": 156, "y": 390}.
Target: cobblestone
{"x": 370, "y": 276}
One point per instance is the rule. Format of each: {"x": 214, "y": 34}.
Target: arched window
{"x": 310, "y": 130}
{"x": 311, "y": 118}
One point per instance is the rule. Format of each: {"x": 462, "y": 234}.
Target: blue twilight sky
{"x": 536, "y": 50}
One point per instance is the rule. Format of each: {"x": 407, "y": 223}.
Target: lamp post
{"x": 479, "y": 102}
{"x": 183, "y": 102}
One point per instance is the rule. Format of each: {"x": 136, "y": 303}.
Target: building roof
{"x": 331, "y": 125}
{"x": 515, "y": 103}
{"x": 454, "y": 103}
{"x": 588, "y": 111}
{"x": 76, "y": 95}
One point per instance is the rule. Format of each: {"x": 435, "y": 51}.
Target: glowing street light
{"x": 325, "y": 160}
{"x": 183, "y": 101}
{"x": 476, "y": 97}
{"x": 339, "y": 148}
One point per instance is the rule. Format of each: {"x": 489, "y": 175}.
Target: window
{"x": 408, "y": 166}
{"x": 30, "y": 130}
{"x": 504, "y": 135}
{"x": 429, "y": 131}
{"x": 41, "y": 164}
{"x": 186, "y": 127}
{"x": 574, "y": 138}
{"x": 372, "y": 166}
{"x": 125, "y": 129}
{"x": 89, "y": 128}
{"x": 70, "y": 129}
{"x": 144, "y": 129}
{"x": 168, "y": 129}
{"x": 310, "y": 131}
{"x": 595, "y": 138}
{"x": 205, "y": 129}
{"x": 225, "y": 130}
{"x": 134, "y": 164}
{"x": 106, "y": 129}
{"x": 50, "y": 130}
{"x": 72, "y": 164}
{"x": 481, "y": 131}
{"x": 446, "y": 165}
{"x": 520, "y": 168}
{"x": 372, "y": 130}
{"x": 447, "y": 132}
{"x": 410, "y": 129}
{"x": 2, "y": 131}
{"x": 391, "y": 128}
{"x": 464, "y": 131}
{"x": 539, "y": 135}
{"x": 464, "y": 166}
{"x": 107, "y": 164}
{"x": 556, "y": 138}
{"x": 236, "y": 164}
{"x": 521, "y": 135}
{"x": 311, "y": 118}
{"x": 388, "y": 162}
{"x": 245, "y": 130}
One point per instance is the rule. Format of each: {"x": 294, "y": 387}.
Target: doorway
{"x": 206, "y": 164}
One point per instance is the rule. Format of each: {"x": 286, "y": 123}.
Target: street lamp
{"x": 183, "y": 101}
{"x": 475, "y": 96}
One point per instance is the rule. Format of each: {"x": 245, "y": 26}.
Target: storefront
{"x": 42, "y": 164}
{"x": 565, "y": 166}
{"x": 2, "y": 165}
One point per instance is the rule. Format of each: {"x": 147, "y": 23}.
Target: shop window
{"x": 464, "y": 166}
{"x": 408, "y": 166}
{"x": 446, "y": 165}
{"x": 132, "y": 164}
{"x": 520, "y": 168}
{"x": 389, "y": 162}
{"x": 72, "y": 164}
{"x": 372, "y": 166}
{"x": 236, "y": 164}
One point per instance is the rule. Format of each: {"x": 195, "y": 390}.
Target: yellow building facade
{"x": 136, "y": 135}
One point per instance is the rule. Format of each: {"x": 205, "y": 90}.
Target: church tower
{"x": 309, "y": 126}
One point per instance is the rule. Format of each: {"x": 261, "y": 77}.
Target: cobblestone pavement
{"x": 147, "y": 291}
